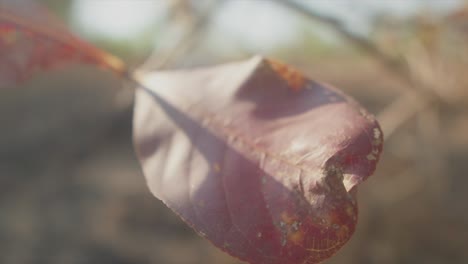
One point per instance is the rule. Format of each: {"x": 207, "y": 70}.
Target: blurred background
{"x": 71, "y": 190}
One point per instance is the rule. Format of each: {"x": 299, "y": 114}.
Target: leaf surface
{"x": 255, "y": 157}
{"x": 31, "y": 38}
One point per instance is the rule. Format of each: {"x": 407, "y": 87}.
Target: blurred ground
{"x": 71, "y": 190}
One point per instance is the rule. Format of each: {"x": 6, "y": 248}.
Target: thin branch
{"x": 184, "y": 44}
{"x": 401, "y": 110}
{"x": 392, "y": 65}
{"x": 396, "y": 68}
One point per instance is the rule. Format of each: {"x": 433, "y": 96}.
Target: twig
{"x": 185, "y": 43}
{"x": 396, "y": 68}
{"x": 401, "y": 110}
{"x": 154, "y": 62}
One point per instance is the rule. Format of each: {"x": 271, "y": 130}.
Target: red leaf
{"x": 30, "y": 39}
{"x": 256, "y": 158}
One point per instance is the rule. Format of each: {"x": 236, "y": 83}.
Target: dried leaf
{"x": 255, "y": 157}
{"x": 31, "y": 39}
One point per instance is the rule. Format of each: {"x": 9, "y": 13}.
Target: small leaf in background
{"x": 31, "y": 39}
{"x": 256, "y": 158}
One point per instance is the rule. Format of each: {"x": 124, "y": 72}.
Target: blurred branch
{"x": 394, "y": 66}
{"x": 401, "y": 110}
{"x": 398, "y": 112}
{"x": 157, "y": 61}
{"x": 184, "y": 44}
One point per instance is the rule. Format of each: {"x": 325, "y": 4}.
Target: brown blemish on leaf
{"x": 342, "y": 233}
{"x": 216, "y": 167}
{"x": 290, "y": 228}
{"x": 350, "y": 211}
{"x": 287, "y": 218}
{"x": 8, "y": 35}
{"x": 332, "y": 218}
{"x": 201, "y": 203}
{"x": 293, "y": 77}
{"x": 296, "y": 237}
